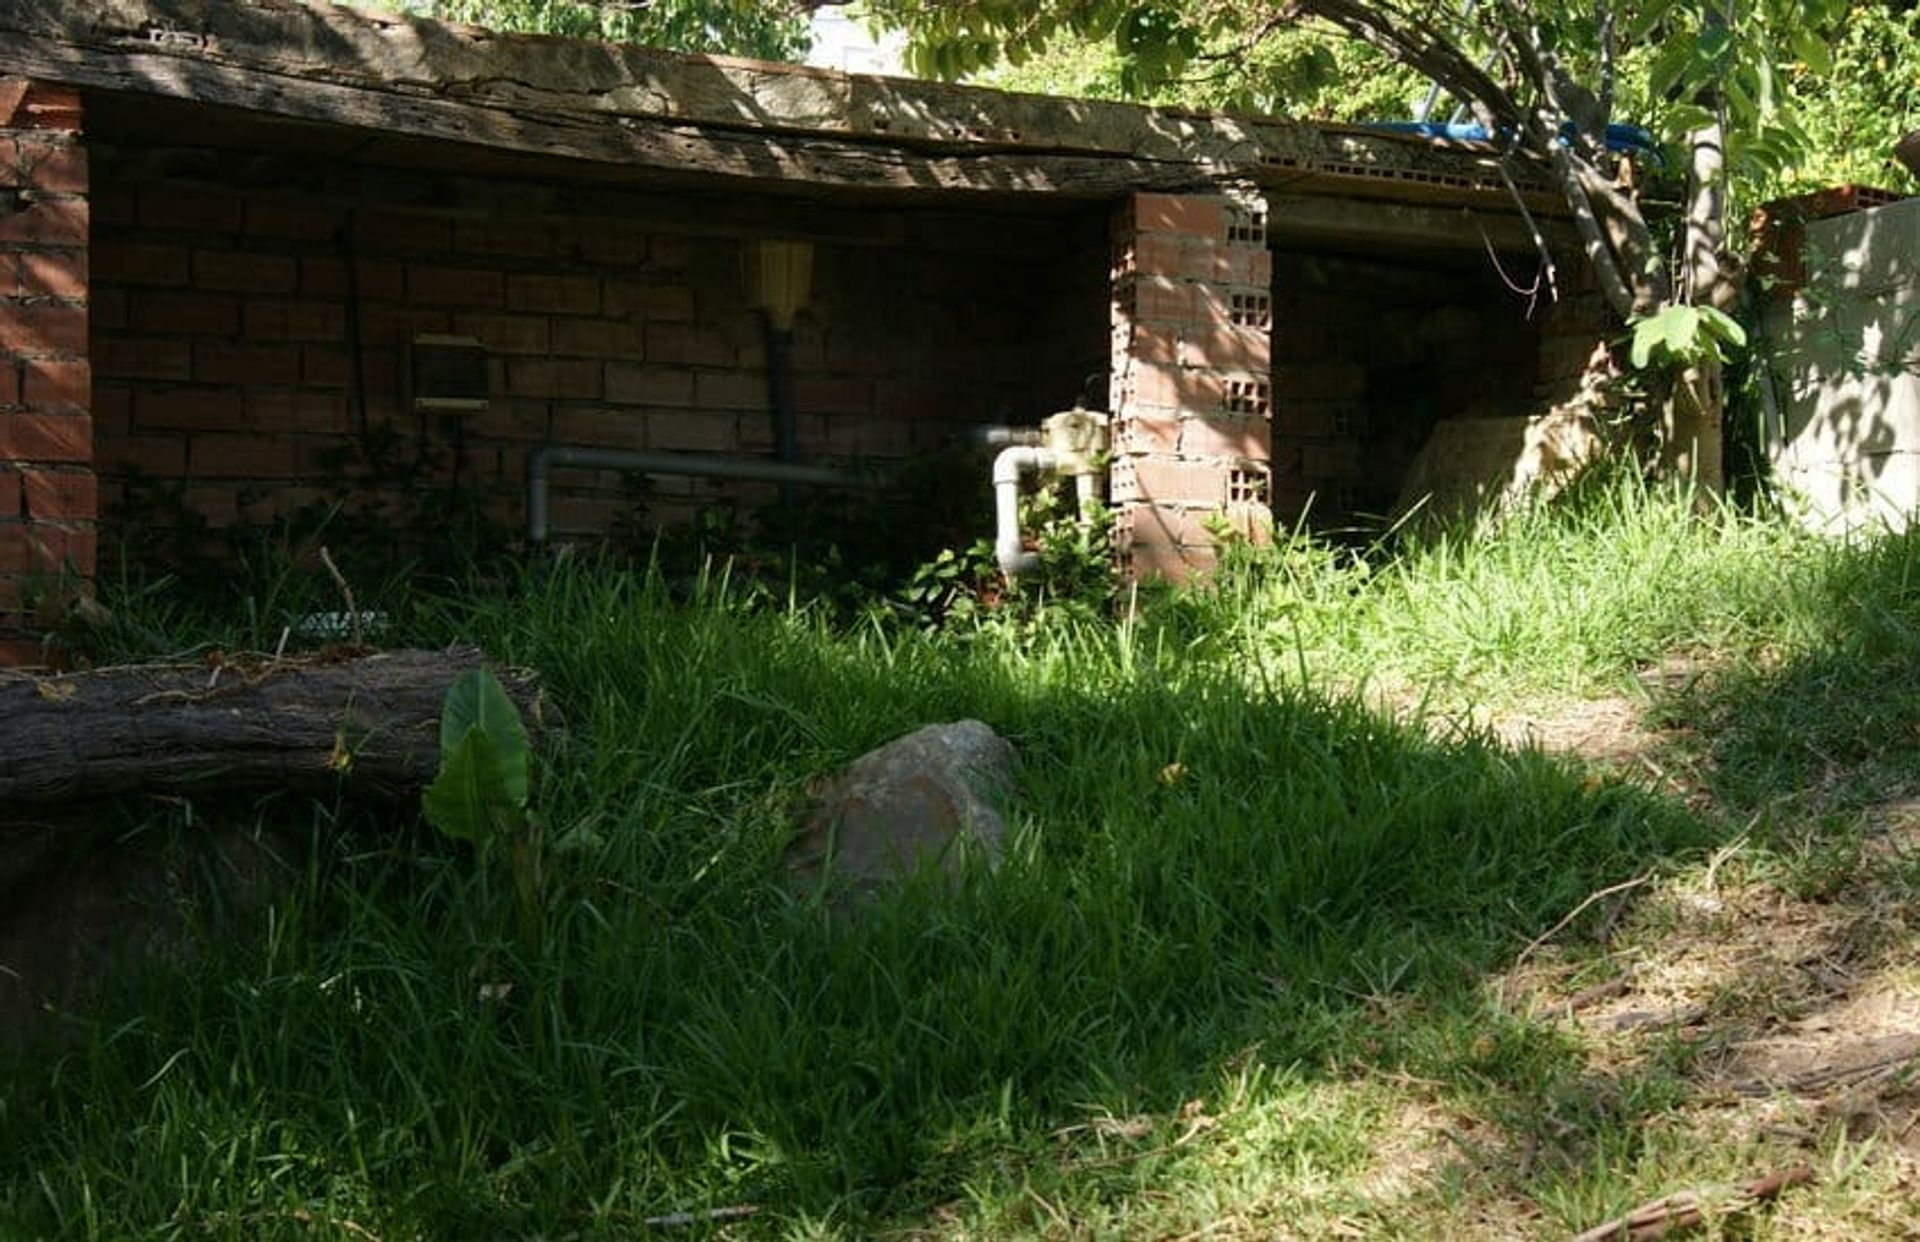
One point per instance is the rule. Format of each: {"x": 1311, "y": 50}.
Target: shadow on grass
{"x": 1833, "y": 726}
{"x": 1210, "y": 885}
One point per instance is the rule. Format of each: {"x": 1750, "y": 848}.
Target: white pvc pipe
{"x": 1008, "y": 466}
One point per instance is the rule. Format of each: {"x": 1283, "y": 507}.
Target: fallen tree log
{"x": 232, "y": 725}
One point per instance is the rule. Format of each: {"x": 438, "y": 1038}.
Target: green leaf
{"x": 1722, "y": 326}
{"x": 1670, "y": 64}
{"x": 1812, "y": 50}
{"x": 1650, "y": 16}
{"x": 469, "y": 799}
{"x": 478, "y": 701}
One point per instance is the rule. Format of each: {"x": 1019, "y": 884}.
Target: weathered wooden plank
{"x": 246, "y": 727}
{"x": 1298, "y": 218}
{"x": 643, "y": 106}
{"x": 735, "y": 154}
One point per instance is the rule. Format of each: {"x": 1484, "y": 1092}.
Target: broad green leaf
{"x": 1670, "y": 64}
{"x": 478, "y": 701}
{"x": 1812, "y": 50}
{"x": 1645, "y": 333}
{"x": 1682, "y": 330}
{"x": 1649, "y": 17}
{"x": 1717, "y": 323}
{"x": 469, "y": 799}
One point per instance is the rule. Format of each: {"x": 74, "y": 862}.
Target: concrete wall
{"x": 1844, "y": 437}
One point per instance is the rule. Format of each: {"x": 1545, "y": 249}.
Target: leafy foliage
{"x": 480, "y": 794}
{"x": 1681, "y": 334}
{"x": 740, "y": 27}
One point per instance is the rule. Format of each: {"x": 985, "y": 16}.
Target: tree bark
{"x": 237, "y": 727}
{"x": 1691, "y": 440}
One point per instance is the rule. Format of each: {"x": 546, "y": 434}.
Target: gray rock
{"x": 926, "y": 799}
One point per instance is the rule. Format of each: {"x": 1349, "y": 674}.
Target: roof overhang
{"x": 712, "y": 118}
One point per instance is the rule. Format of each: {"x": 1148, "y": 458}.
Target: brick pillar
{"x": 47, "y": 493}
{"x": 1192, "y": 377}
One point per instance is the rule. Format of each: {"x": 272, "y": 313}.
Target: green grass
{"x": 1187, "y": 996}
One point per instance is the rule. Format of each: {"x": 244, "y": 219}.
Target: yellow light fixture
{"x": 779, "y": 279}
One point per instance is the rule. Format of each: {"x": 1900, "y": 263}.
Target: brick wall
{"x": 47, "y": 491}
{"x": 226, "y": 325}
{"x": 1370, "y": 352}
{"x": 1191, "y": 376}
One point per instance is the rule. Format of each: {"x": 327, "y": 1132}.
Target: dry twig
{"x": 1688, "y": 1208}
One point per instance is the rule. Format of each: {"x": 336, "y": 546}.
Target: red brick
{"x": 1191, "y": 215}
{"x": 200, "y": 213}
{"x": 113, "y": 203}
{"x": 1153, "y": 299}
{"x": 866, "y": 436}
{"x": 133, "y": 263}
{"x": 1169, "y": 481}
{"x": 190, "y": 409}
{"x": 1243, "y": 437}
{"x": 730, "y": 390}
{"x": 162, "y": 457}
{"x": 48, "y": 221}
{"x": 171, "y": 311}
{"x": 688, "y": 345}
{"x": 60, "y": 495}
{"x": 280, "y": 412}
{"x": 294, "y": 221}
{"x": 323, "y": 278}
{"x": 402, "y": 232}
{"x": 43, "y": 105}
{"x": 140, "y": 357}
{"x": 505, "y": 334}
{"x": 600, "y": 427}
{"x": 326, "y": 366}
{"x": 62, "y": 549}
{"x": 294, "y": 321}
{"x": 22, "y": 653}
{"x": 454, "y": 286}
{"x": 9, "y": 492}
{"x": 220, "y": 363}
{"x": 9, "y": 382}
{"x": 1169, "y": 563}
{"x": 42, "y": 328}
{"x": 554, "y": 378}
{"x": 53, "y": 273}
{"x": 1173, "y": 525}
{"x": 13, "y": 547}
{"x": 244, "y": 272}
{"x": 55, "y": 387}
{"x": 596, "y": 338}
{"x": 52, "y": 439}
{"x": 216, "y": 505}
{"x": 242, "y": 457}
{"x": 52, "y": 164}
{"x": 112, "y": 405}
{"x": 652, "y": 303}
{"x": 1224, "y": 347}
{"x": 635, "y": 383}
{"x": 521, "y": 238}
{"x": 689, "y": 431}
{"x": 568, "y": 295}
{"x": 1146, "y": 433}
{"x": 818, "y": 394}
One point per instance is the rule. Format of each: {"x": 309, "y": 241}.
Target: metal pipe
{"x": 1008, "y": 466}
{"x": 999, "y": 437}
{"x": 692, "y": 465}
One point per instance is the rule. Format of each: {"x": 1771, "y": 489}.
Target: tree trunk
{"x": 1691, "y": 438}
{"x": 242, "y": 727}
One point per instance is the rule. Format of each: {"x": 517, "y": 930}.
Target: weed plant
{"x": 1236, "y": 896}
